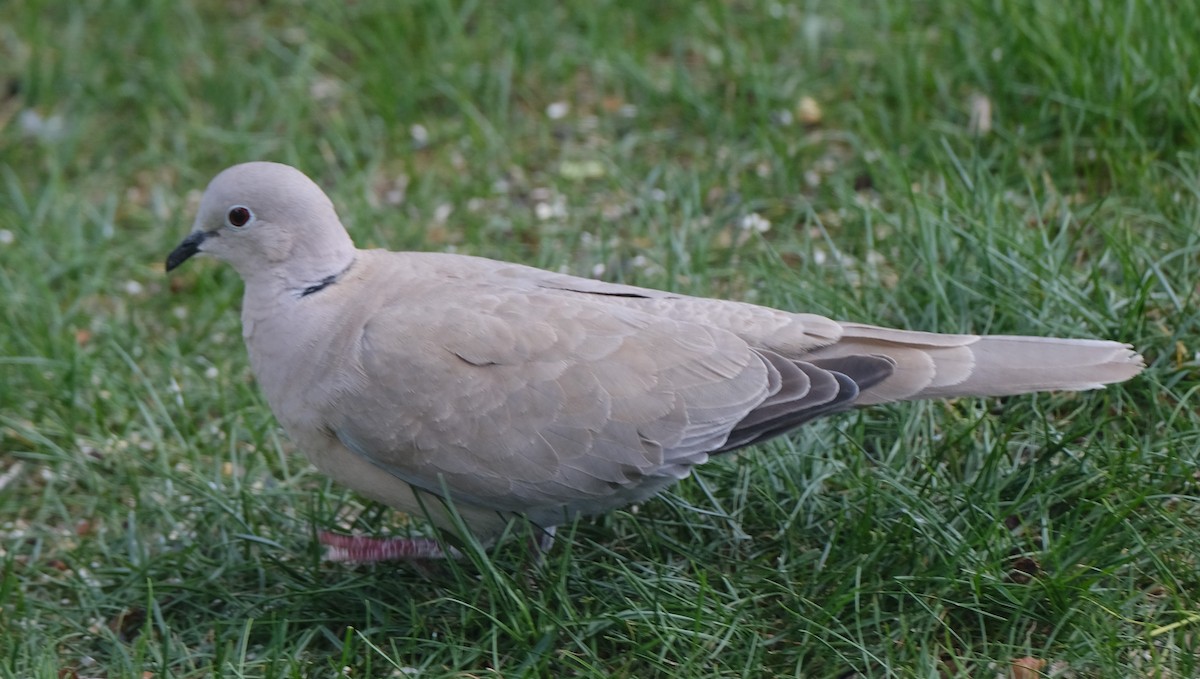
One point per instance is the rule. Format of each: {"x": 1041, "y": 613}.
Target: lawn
{"x": 980, "y": 165}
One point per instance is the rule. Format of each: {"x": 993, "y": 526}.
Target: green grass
{"x": 153, "y": 519}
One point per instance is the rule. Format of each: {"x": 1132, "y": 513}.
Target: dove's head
{"x": 268, "y": 218}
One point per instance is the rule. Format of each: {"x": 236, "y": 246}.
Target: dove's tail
{"x": 929, "y": 365}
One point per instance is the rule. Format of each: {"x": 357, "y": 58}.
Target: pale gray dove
{"x": 516, "y": 392}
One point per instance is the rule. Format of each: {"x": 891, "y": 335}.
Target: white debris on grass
{"x": 419, "y": 134}
{"x": 755, "y": 222}
{"x": 554, "y": 208}
{"x": 44, "y": 128}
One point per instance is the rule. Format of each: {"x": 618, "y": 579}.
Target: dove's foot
{"x": 363, "y": 549}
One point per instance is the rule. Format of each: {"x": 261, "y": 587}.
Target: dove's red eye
{"x": 238, "y": 215}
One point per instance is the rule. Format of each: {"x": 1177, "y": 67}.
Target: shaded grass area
{"x": 153, "y": 519}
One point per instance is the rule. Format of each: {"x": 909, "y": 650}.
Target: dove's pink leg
{"x": 363, "y": 549}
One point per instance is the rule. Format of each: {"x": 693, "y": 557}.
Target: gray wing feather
{"x": 514, "y": 406}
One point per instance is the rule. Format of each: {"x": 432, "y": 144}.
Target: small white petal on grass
{"x": 557, "y": 110}
{"x": 442, "y": 212}
{"x": 598, "y": 270}
{"x": 86, "y": 576}
{"x": 45, "y": 128}
{"x": 132, "y": 288}
{"x": 981, "y": 115}
{"x": 325, "y": 89}
{"x": 545, "y": 210}
{"x": 11, "y": 474}
{"x": 6, "y": 237}
{"x": 211, "y": 372}
{"x": 419, "y": 134}
{"x": 755, "y": 222}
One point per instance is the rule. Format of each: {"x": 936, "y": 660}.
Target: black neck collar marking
{"x": 325, "y": 282}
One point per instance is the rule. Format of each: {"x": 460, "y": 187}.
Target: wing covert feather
{"x": 513, "y": 405}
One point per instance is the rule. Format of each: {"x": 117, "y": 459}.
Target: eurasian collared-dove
{"x": 412, "y": 376}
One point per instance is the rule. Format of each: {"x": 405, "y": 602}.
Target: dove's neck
{"x": 291, "y": 314}
{"x": 316, "y": 271}
{"x": 308, "y": 267}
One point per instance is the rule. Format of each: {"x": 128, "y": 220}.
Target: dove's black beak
{"x": 189, "y": 247}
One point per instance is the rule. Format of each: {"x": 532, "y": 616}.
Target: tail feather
{"x": 1006, "y": 364}
{"x": 931, "y": 365}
